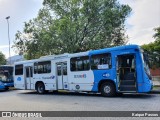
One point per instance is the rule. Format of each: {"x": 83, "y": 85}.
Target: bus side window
{"x": 27, "y": 72}
{"x": 42, "y": 67}
{"x": 80, "y": 63}
{"x": 59, "y": 70}
{"x": 101, "y": 61}
{"x": 35, "y": 68}
{"x": 133, "y": 64}
{"x": 73, "y": 64}
{"x": 86, "y": 64}
{"x": 65, "y": 69}
{"x": 18, "y": 69}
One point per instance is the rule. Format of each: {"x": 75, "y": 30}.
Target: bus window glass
{"x": 35, "y": 68}
{"x": 101, "y": 61}
{"x": 19, "y": 70}
{"x": 59, "y": 70}
{"x": 29, "y": 72}
{"x": 65, "y": 69}
{"x": 145, "y": 60}
{"x": 86, "y": 64}
{"x": 80, "y": 63}
{"x": 42, "y": 67}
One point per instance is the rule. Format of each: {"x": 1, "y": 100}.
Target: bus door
{"x": 126, "y": 73}
{"x": 62, "y": 78}
{"x": 28, "y": 77}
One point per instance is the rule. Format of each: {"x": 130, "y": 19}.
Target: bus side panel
{"x": 102, "y": 75}
{"x": 81, "y": 80}
{"x": 140, "y": 77}
{"x": 48, "y": 79}
{"x": 148, "y": 85}
{"x": 19, "y": 82}
{"x": 105, "y": 74}
{"x": 111, "y": 74}
{"x": 2, "y": 87}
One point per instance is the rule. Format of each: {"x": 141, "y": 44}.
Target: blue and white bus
{"x": 6, "y": 77}
{"x": 122, "y": 69}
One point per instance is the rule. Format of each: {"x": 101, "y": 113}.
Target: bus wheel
{"x": 108, "y": 89}
{"x": 40, "y": 88}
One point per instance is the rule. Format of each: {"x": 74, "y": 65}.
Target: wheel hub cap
{"x": 107, "y": 89}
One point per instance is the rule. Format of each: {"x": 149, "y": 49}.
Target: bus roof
{"x": 117, "y": 48}
{"x": 67, "y": 55}
{"x": 55, "y": 57}
{"x": 5, "y": 66}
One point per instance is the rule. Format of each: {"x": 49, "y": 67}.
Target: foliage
{"x": 153, "y": 49}
{"x": 73, "y": 26}
{"x": 2, "y": 59}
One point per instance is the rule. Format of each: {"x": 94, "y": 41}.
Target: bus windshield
{"x": 146, "y": 64}
{"x": 6, "y": 75}
{"x": 3, "y": 77}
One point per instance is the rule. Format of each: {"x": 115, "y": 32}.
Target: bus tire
{"x": 108, "y": 89}
{"x": 40, "y": 88}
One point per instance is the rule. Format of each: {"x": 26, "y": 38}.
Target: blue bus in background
{"x": 6, "y": 77}
{"x": 121, "y": 69}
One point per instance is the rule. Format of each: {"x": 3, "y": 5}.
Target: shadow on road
{"x": 2, "y": 91}
{"x": 126, "y": 95}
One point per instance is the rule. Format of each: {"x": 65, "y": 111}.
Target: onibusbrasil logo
{"x": 21, "y": 114}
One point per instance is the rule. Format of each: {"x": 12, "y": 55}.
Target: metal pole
{"x": 9, "y": 39}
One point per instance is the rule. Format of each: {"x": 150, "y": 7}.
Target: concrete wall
{"x": 156, "y": 80}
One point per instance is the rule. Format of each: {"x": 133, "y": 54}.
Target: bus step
{"x": 127, "y": 82}
{"x": 127, "y": 88}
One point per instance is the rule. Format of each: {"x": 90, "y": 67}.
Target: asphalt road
{"x": 25, "y": 100}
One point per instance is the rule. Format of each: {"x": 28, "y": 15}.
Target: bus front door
{"x": 62, "y": 78}
{"x": 28, "y": 78}
{"x": 126, "y": 73}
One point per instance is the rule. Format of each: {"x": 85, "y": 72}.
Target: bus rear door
{"x": 62, "y": 78}
{"x": 28, "y": 77}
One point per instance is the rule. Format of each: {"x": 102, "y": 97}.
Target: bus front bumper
{"x": 9, "y": 84}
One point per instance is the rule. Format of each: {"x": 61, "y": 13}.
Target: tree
{"x": 153, "y": 49}
{"x": 2, "y": 59}
{"x": 73, "y": 26}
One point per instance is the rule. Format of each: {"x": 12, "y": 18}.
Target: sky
{"x": 145, "y": 16}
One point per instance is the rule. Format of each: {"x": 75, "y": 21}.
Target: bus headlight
{"x": 5, "y": 83}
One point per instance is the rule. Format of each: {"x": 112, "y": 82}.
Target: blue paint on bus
{"x": 6, "y": 76}
{"x": 143, "y": 81}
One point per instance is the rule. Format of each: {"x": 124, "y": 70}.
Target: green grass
{"x": 156, "y": 88}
